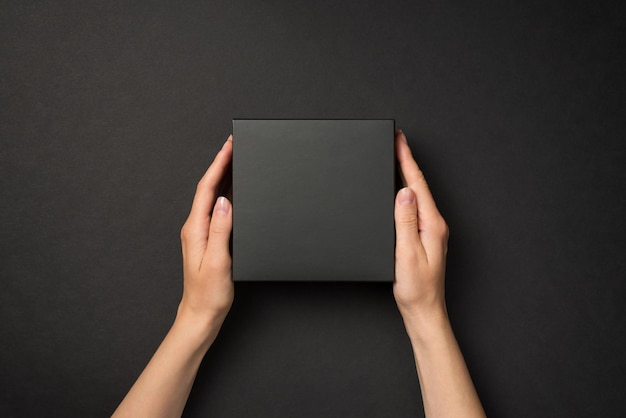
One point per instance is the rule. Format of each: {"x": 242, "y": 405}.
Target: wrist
{"x": 199, "y": 329}
{"x": 424, "y": 326}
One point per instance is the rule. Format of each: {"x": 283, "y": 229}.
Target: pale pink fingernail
{"x": 406, "y": 196}
{"x": 222, "y": 207}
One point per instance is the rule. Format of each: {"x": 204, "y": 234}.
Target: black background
{"x": 111, "y": 113}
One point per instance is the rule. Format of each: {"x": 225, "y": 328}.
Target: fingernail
{"x": 406, "y": 196}
{"x": 222, "y": 206}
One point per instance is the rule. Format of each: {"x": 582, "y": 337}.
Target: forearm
{"x": 163, "y": 387}
{"x": 447, "y": 388}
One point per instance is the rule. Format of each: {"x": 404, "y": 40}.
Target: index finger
{"x": 206, "y": 191}
{"x": 412, "y": 174}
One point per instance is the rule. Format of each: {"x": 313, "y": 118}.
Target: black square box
{"x": 313, "y": 200}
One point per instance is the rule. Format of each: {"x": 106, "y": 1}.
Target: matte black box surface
{"x": 313, "y": 200}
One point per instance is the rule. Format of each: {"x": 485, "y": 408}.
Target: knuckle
{"x": 444, "y": 232}
{"x": 420, "y": 175}
{"x": 441, "y": 228}
{"x": 190, "y": 231}
{"x": 184, "y": 232}
{"x": 445, "y": 229}
{"x": 407, "y": 219}
{"x": 200, "y": 185}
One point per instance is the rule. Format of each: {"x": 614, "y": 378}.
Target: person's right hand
{"x": 421, "y": 243}
{"x": 163, "y": 387}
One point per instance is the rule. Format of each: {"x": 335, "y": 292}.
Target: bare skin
{"x": 421, "y": 248}
{"x": 163, "y": 387}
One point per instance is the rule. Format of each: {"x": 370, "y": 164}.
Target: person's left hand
{"x": 208, "y": 288}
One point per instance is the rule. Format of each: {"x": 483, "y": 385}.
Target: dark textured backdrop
{"x": 111, "y": 113}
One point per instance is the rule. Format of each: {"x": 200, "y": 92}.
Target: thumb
{"x": 405, "y": 214}
{"x": 219, "y": 232}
